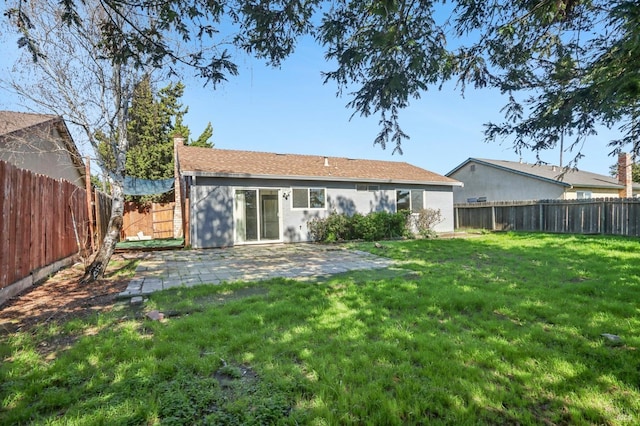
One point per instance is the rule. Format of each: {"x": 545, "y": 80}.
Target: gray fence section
{"x": 612, "y": 216}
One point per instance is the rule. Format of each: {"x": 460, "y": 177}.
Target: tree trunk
{"x": 101, "y": 260}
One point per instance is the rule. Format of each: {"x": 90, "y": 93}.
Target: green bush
{"x": 372, "y": 227}
{"x": 425, "y": 220}
{"x": 337, "y": 227}
{"x": 334, "y": 227}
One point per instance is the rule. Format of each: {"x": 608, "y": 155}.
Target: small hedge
{"x": 372, "y": 227}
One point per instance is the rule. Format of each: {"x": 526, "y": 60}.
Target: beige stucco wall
{"x": 42, "y": 151}
{"x": 572, "y": 193}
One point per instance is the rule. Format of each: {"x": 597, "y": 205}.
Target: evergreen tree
{"x": 155, "y": 117}
{"x": 203, "y": 140}
{"x": 150, "y": 129}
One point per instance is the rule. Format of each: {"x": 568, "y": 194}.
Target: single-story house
{"x": 498, "y": 180}
{"x": 42, "y": 144}
{"x": 244, "y": 197}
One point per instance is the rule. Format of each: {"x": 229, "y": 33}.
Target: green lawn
{"x": 158, "y": 243}
{"x": 498, "y": 329}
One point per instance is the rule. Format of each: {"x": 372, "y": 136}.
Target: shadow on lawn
{"x": 464, "y": 331}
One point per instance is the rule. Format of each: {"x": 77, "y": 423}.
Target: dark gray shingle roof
{"x": 575, "y": 178}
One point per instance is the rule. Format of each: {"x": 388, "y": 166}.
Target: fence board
{"x": 25, "y": 221}
{"x": 5, "y": 210}
{"x": 12, "y": 224}
{"x": 102, "y": 212}
{"x": 613, "y": 216}
{"x": 162, "y": 220}
{"x": 155, "y": 220}
{"x": 42, "y": 220}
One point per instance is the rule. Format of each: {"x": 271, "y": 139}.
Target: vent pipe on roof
{"x": 326, "y": 161}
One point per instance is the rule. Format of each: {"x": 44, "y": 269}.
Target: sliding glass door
{"x": 257, "y": 215}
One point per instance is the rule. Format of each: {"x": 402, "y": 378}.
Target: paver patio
{"x": 160, "y": 270}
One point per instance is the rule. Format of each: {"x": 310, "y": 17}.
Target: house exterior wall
{"x": 572, "y": 193}
{"x": 41, "y": 151}
{"x": 212, "y": 206}
{"x": 501, "y": 185}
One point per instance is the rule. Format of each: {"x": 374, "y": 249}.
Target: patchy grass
{"x": 498, "y": 329}
{"x": 159, "y": 243}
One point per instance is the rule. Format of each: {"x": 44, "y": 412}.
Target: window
{"x": 409, "y": 199}
{"x": 583, "y": 195}
{"x": 300, "y": 198}
{"x": 370, "y": 188}
{"x": 308, "y": 198}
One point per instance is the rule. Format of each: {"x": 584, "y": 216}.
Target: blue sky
{"x": 289, "y": 110}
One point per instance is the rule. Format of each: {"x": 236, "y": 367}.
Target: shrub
{"x": 334, "y": 227}
{"x": 337, "y": 227}
{"x": 425, "y": 220}
{"x": 317, "y": 229}
{"x": 397, "y": 224}
{"x": 371, "y": 227}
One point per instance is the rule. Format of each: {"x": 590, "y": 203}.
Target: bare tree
{"x": 71, "y": 70}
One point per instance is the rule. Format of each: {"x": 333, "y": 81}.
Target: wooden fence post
{"x": 87, "y": 171}
{"x": 98, "y": 210}
{"x": 493, "y": 218}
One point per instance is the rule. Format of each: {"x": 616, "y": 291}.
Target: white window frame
{"x": 412, "y": 208}
{"x": 363, "y": 187}
{"x": 309, "y": 189}
{"x": 584, "y": 195}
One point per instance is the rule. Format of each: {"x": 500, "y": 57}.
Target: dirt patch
{"x": 60, "y": 297}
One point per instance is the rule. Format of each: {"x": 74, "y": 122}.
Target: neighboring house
{"x": 498, "y": 180}
{"x": 42, "y": 144}
{"x": 243, "y": 197}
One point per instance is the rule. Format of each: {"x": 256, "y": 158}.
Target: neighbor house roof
{"x": 549, "y": 173}
{"x": 249, "y": 164}
{"x": 15, "y": 124}
{"x": 11, "y": 121}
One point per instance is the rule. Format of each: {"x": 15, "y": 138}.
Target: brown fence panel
{"x": 43, "y": 220}
{"x": 154, "y": 220}
{"x": 163, "y": 220}
{"x": 102, "y": 212}
{"x": 5, "y": 209}
{"x": 612, "y": 216}
{"x": 136, "y": 219}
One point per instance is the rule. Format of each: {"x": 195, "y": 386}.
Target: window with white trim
{"x": 308, "y": 198}
{"x": 583, "y": 195}
{"x": 409, "y": 199}
{"x": 370, "y": 188}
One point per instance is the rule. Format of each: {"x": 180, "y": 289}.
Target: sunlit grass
{"x": 499, "y": 329}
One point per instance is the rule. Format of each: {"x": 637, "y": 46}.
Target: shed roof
{"x": 250, "y": 164}
{"x": 12, "y": 121}
{"x": 549, "y": 173}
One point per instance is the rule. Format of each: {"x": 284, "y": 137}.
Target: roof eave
{"x": 317, "y": 178}
{"x": 71, "y": 146}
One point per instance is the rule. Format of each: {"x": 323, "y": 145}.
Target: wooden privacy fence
{"x": 102, "y": 213}
{"x": 612, "y": 216}
{"x": 42, "y": 222}
{"x": 154, "y": 220}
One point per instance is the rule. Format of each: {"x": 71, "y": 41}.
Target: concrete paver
{"x": 161, "y": 270}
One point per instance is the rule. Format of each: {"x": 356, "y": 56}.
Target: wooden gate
{"x": 151, "y": 221}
